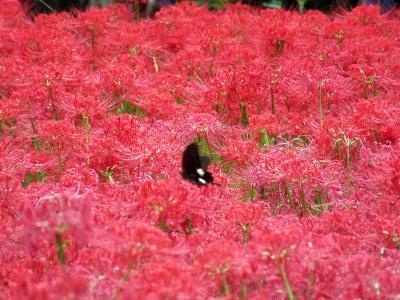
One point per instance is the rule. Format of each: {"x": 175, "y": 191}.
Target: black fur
{"x": 191, "y": 162}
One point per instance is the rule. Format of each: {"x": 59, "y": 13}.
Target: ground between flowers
{"x": 299, "y": 113}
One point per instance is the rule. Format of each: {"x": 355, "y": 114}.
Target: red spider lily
{"x": 297, "y": 112}
{"x": 57, "y": 213}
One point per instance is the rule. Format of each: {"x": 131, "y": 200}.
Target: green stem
{"x": 289, "y": 196}
{"x": 189, "y": 226}
{"x": 272, "y": 99}
{"x": 286, "y": 282}
{"x": 225, "y": 287}
{"x": 125, "y": 277}
{"x": 301, "y": 5}
{"x": 244, "y": 114}
{"x": 137, "y": 9}
{"x": 86, "y": 126}
{"x": 348, "y": 162}
{"x": 163, "y": 225}
{"x": 93, "y": 44}
{"x": 92, "y": 38}
{"x": 245, "y": 229}
{"x": 61, "y": 245}
{"x": 302, "y": 198}
{"x": 243, "y": 293}
{"x": 59, "y": 158}
{"x": 321, "y": 112}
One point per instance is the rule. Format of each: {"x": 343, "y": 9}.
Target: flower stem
{"x": 86, "y": 126}
{"x": 125, "y": 277}
{"x": 59, "y": 158}
{"x": 289, "y": 196}
{"x": 302, "y": 198}
{"x": 272, "y": 99}
{"x": 321, "y": 111}
{"x": 286, "y": 282}
{"x": 244, "y": 114}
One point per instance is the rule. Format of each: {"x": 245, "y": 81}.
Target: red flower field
{"x": 299, "y": 113}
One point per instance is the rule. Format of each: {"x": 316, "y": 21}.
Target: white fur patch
{"x": 201, "y": 180}
{"x": 200, "y": 172}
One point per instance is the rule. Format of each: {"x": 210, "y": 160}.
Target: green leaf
{"x": 108, "y": 173}
{"x": 215, "y": 157}
{"x": 29, "y": 178}
{"x": 128, "y": 108}
{"x": 41, "y": 176}
{"x": 179, "y": 100}
{"x": 37, "y": 144}
{"x": 138, "y": 111}
{"x": 265, "y": 139}
{"x": 62, "y": 228}
{"x": 204, "y": 148}
{"x": 163, "y": 225}
{"x": 34, "y": 177}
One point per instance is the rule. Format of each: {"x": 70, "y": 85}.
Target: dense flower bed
{"x": 300, "y": 114}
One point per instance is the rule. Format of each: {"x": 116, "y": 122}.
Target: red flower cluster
{"x": 298, "y": 112}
